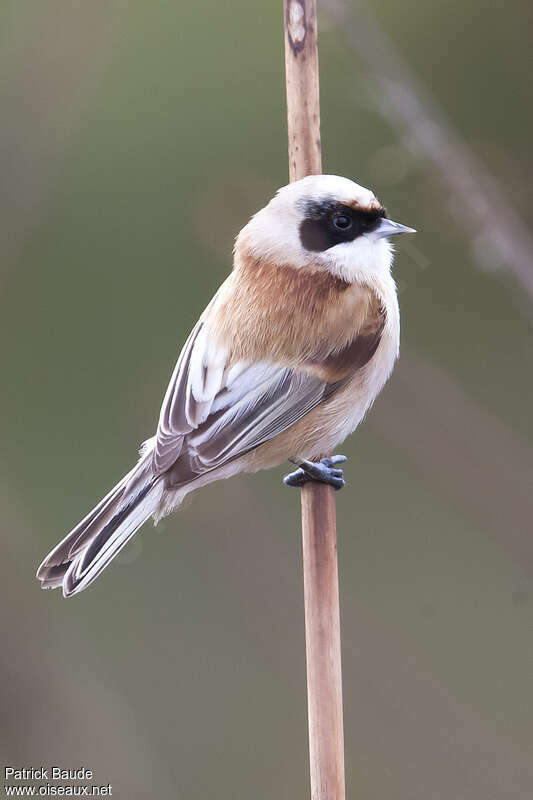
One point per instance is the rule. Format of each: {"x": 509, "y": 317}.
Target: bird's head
{"x": 327, "y": 222}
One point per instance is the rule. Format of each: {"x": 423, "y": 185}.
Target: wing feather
{"x": 291, "y": 395}
{"x": 187, "y": 402}
{"x": 213, "y": 413}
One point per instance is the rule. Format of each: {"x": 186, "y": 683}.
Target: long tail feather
{"x": 78, "y": 560}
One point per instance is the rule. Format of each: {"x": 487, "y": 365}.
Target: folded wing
{"x": 214, "y": 412}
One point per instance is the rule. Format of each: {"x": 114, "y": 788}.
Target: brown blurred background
{"x": 137, "y": 138}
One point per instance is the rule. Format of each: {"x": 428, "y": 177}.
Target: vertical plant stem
{"x": 321, "y": 587}
{"x": 303, "y": 96}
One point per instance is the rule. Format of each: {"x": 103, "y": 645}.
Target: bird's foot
{"x": 322, "y": 471}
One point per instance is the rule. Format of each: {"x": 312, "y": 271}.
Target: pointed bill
{"x": 389, "y": 228}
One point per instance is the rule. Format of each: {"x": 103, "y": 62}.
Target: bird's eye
{"x": 342, "y": 222}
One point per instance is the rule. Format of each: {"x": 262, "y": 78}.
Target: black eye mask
{"x": 329, "y": 223}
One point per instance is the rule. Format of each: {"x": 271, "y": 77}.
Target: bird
{"x": 282, "y": 365}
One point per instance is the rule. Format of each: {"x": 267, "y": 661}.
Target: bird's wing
{"x": 179, "y": 412}
{"x": 221, "y": 412}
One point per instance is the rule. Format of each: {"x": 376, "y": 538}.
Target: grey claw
{"x": 330, "y": 462}
{"x": 297, "y": 478}
{"x": 321, "y": 471}
{"x": 337, "y": 483}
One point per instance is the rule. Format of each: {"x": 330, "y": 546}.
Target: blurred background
{"x": 137, "y": 138}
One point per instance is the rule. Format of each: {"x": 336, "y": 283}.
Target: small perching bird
{"x": 282, "y": 365}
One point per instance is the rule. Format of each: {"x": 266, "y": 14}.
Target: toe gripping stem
{"x": 323, "y": 471}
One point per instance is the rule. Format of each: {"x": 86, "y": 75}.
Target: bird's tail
{"x": 82, "y": 555}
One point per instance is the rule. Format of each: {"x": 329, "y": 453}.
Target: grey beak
{"x": 388, "y": 228}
